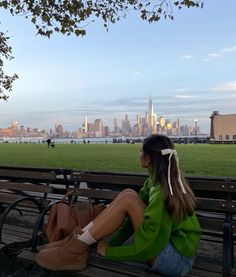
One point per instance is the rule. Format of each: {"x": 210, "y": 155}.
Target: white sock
{"x": 86, "y": 238}
{"x": 87, "y": 227}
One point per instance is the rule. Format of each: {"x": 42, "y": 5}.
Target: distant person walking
{"x": 48, "y": 142}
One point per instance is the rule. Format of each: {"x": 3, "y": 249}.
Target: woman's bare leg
{"x": 73, "y": 254}
{"x": 63, "y": 241}
{"x": 113, "y": 203}
{"x": 128, "y": 203}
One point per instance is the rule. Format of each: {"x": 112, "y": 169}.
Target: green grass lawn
{"x": 205, "y": 160}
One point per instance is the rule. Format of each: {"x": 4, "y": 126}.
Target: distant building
{"x": 98, "y": 128}
{"x": 85, "y": 124}
{"x": 223, "y": 127}
{"x": 151, "y": 118}
{"x": 59, "y": 131}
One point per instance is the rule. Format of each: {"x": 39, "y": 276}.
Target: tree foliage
{"x": 5, "y": 80}
{"x": 72, "y": 16}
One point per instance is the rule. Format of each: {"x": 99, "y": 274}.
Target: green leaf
{"x": 33, "y": 20}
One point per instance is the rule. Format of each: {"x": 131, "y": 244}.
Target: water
{"x": 100, "y": 140}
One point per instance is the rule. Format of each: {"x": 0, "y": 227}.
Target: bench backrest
{"x": 215, "y": 196}
{"x": 27, "y": 175}
{"x": 219, "y": 190}
{"x": 35, "y": 175}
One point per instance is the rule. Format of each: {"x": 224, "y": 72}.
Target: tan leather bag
{"x": 64, "y": 217}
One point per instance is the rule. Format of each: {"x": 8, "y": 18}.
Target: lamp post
{"x": 195, "y": 129}
{"x": 83, "y": 129}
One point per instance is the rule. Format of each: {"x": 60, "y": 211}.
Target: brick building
{"x": 223, "y": 127}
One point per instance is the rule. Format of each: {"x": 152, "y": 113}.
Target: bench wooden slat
{"x": 11, "y": 238}
{"x": 25, "y": 187}
{"x": 96, "y": 272}
{"x": 18, "y": 229}
{"x": 207, "y": 266}
{"x": 203, "y": 273}
{"x": 211, "y": 185}
{"x": 204, "y": 204}
{"x": 39, "y": 169}
{"x": 8, "y": 198}
{"x": 16, "y": 234}
{"x": 30, "y": 257}
{"x": 216, "y": 205}
{"x": 95, "y": 193}
{"x": 98, "y": 265}
{"x": 109, "y": 179}
{"x": 34, "y": 175}
{"x": 133, "y": 269}
{"x": 214, "y": 225}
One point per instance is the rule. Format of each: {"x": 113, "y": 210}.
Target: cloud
{"x": 214, "y": 55}
{"x": 181, "y": 90}
{"x": 187, "y": 57}
{"x": 137, "y": 73}
{"x": 220, "y": 53}
{"x": 229, "y": 49}
{"x": 229, "y": 86}
{"x": 183, "y": 96}
{"x": 184, "y": 93}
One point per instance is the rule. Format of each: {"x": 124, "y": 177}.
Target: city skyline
{"x": 188, "y": 66}
{"x": 150, "y": 110}
{"x": 145, "y": 125}
{"x": 97, "y": 129}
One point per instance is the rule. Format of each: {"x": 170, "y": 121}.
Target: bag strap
{"x": 70, "y": 195}
{"x": 70, "y": 200}
{"x": 67, "y": 195}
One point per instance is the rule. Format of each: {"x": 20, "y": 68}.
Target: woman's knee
{"x": 134, "y": 206}
{"x": 125, "y": 191}
{"x": 130, "y": 197}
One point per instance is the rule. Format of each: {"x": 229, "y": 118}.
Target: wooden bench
{"x": 24, "y": 193}
{"x": 18, "y": 173}
{"x": 216, "y": 212}
{"x": 11, "y": 178}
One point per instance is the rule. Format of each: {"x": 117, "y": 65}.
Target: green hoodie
{"x": 155, "y": 232}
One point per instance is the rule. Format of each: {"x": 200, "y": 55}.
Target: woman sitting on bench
{"x": 161, "y": 218}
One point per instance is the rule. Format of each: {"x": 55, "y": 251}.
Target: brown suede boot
{"x": 61, "y": 242}
{"x": 72, "y": 255}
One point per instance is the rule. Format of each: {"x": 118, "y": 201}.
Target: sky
{"x": 187, "y": 65}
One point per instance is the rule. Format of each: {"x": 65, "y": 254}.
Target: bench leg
{"x": 13, "y": 206}
{"x": 232, "y": 251}
{"x": 227, "y": 248}
{"x": 39, "y": 224}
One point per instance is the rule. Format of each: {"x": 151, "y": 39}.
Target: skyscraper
{"x": 150, "y": 106}
{"x": 151, "y": 117}
{"x": 115, "y": 124}
{"x": 85, "y": 124}
{"x": 98, "y": 127}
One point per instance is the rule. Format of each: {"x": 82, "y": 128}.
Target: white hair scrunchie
{"x": 172, "y": 152}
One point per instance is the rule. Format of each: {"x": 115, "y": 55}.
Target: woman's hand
{"x": 101, "y": 247}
